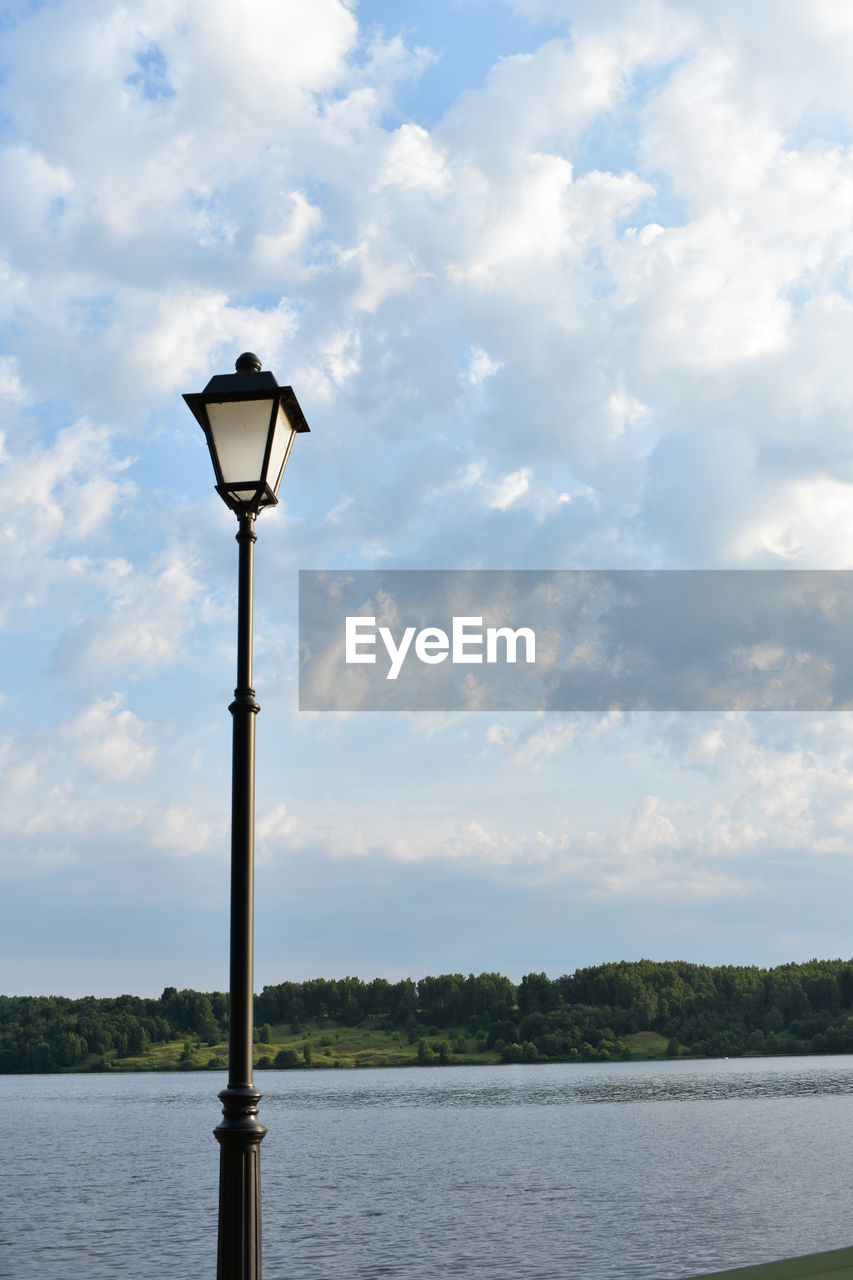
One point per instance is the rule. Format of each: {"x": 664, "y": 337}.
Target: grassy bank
{"x": 333, "y": 1045}
{"x": 325, "y": 1044}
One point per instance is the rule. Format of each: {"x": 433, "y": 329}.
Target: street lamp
{"x": 249, "y": 422}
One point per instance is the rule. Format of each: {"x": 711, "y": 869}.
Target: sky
{"x": 559, "y": 285}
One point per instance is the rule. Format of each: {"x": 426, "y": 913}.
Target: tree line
{"x": 49, "y": 1033}
{"x": 709, "y": 1011}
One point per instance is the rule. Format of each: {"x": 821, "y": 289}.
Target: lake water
{"x": 648, "y": 1171}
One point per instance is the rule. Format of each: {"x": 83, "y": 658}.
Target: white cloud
{"x": 10, "y": 383}
{"x": 284, "y": 243}
{"x": 646, "y": 827}
{"x": 110, "y": 741}
{"x": 41, "y": 191}
{"x": 413, "y": 160}
{"x": 72, "y": 488}
{"x": 808, "y": 520}
{"x": 183, "y": 831}
{"x": 503, "y": 493}
{"x": 151, "y": 610}
{"x": 481, "y": 366}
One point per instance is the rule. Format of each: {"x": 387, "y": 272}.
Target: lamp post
{"x": 249, "y": 422}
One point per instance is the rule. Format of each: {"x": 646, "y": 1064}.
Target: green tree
{"x": 426, "y": 1057}
{"x": 511, "y": 1053}
{"x": 138, "y": 1040}
{"x": 286, "y": 1059}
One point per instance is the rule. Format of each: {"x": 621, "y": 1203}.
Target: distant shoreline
{"x": 619, "y": 1012}
{"x": 143, "y": 1069}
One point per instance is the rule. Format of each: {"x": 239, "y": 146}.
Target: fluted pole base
{"x": 239, "y": 1137}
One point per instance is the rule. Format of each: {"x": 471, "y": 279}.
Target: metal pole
{"x": 239, "y": 1134}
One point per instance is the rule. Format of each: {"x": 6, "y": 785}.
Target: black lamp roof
{"x": 248, "y": 377}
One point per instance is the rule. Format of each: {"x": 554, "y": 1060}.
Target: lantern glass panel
{"x": 244, "y": 495}
{"x": 282, "y": 439}
{"x": 239, "y": 430}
